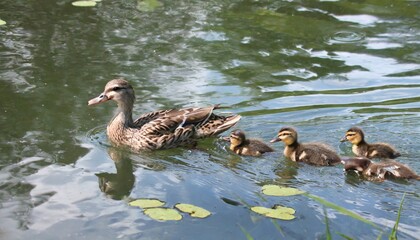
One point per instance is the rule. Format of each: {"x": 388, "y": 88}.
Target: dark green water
{"x": 321, "y": 66}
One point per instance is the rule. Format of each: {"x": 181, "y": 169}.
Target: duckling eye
{"x": 350, "y": 134}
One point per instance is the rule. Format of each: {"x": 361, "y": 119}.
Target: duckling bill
{"x": 361, "y": 148}
{"x": 318, "y": 154}
{"x": 379, "y": 171}
{"x": 159, "y": 129}
{"x": 241, "y": 145}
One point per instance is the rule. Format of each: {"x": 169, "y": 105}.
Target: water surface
{"x": 321, "y": 66}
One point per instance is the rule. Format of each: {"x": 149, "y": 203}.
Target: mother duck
{"x": 160, "y": 129}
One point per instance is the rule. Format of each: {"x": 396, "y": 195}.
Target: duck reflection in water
{"x": 118, "y": 185}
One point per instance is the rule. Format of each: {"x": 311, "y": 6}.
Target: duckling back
{"x": 252, "y": 147}
{"x": 392, "y": 169}
{"x": 381, "y": 150}
{"x": 318, "y": 154}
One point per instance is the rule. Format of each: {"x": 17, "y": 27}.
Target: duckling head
{"x": 288, "y": 135}
{"x": 118, "y": 90}
{"x": 356, "y": 164}
{"x": 237, "y": 137}
{"x": 354, "y": 135}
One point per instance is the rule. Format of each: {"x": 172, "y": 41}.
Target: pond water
{"x": 321, "y": 66}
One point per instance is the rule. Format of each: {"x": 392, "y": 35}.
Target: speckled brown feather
{"x": 160, "y": 129}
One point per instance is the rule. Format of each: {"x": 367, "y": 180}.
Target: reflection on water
{"x": 117, "y": 185}
{"x": 321, "y": 66}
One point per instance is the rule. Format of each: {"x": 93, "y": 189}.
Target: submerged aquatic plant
{"x": 393, "y": 235}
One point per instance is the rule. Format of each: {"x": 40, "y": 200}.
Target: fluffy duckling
{"x": 241, "y": 145}
{"x": 361, "y": 148}
{"x": 379, "y": 171}
{"x": 318, "y": 154}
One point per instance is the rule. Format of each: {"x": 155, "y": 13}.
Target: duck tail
{"x": 230, "y": 122}
{"x": 217, "y": 125}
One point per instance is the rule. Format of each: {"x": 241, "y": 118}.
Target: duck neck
{"x": 124, "y": 114}
{"x": 243, "y": 143}
{"x": 121, "y": 121}
{"x": 289, "y": 150}
{"x": 361, "y": 143}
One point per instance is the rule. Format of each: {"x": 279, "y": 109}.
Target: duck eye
{"x": 116, "y": 88}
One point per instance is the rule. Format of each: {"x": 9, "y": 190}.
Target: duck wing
{"x": 317, "y": 154}
{"x": 168, "y": 128}
{"x": 147, "y": 117}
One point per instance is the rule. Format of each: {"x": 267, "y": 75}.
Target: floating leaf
{"x": 274, "y": 190}
{"x": 2, "y": 22}
{"x": 279, "y": 212}
{"x": 194, "y": 211}
{"x": 163, "y": 214}
{"x": 146, "y": 203}
{"x": 84, "y": 3}
{"x": 148, "y": 5}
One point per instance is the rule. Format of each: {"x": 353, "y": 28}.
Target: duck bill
{"x": 100, "y": 99}
{"x": 275, "y": 140}
{"x": 344, "y": 139}
{"x": 227, "y": 139}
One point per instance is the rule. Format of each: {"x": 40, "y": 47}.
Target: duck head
{"x": 356, "y": 164}
{"x": 237, "y": 137}
{"x": 118, "y": 90}
{"x": 354, "y": 135}
{"x": 288, "y": 135}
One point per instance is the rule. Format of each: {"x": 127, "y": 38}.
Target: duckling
{"x": 361, "y": 148}
{"x": 318, "y": 154}
{"x": 241, "y": 145}
{"x": 379, "y": 171}
{"x": 159, "y": 129}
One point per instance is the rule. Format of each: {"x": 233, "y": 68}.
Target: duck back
{"x": 316, "y": 154}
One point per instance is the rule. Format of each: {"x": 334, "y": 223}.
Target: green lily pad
{"x": 163, "y": 214}
{"x": 2, "y": 22}
{"x": 146, "y": 203}
{"x": 274, "y": 190}
{"x": 148, "y": 5}
{"x": 279, "y": 212}
{"x": 84, "y": 3}
{"x": 194, "y": 211}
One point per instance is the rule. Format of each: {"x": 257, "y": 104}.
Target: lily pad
{"x": 194, "y": 211}
{"x": 163, "y": 214}
{"x": 279, "y": 212}
{"x": 84, "y": 3}
{"x": 146, "y": 203}
{"x": 274, "y": 190}
{"x": 148, "y": 5}
{"x": 2, "y": 22}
